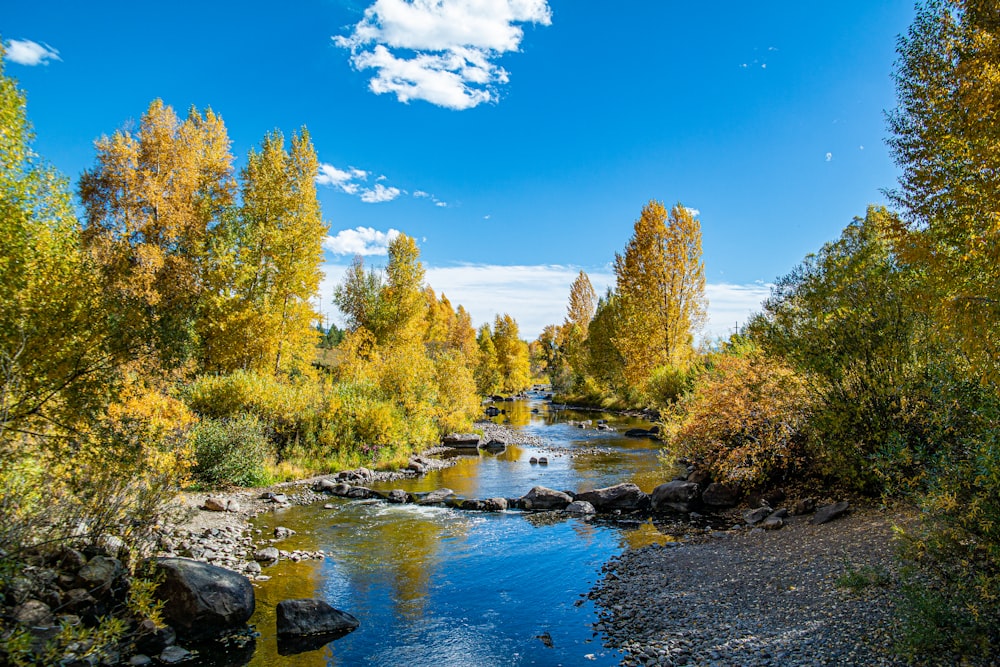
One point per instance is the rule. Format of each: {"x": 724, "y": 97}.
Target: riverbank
{"x": 758, "y": 598}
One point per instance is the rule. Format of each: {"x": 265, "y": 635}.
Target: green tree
{"x": 946, "y": 140}
{"x": 488, "y": 376}
{"x": 661, "y": 288}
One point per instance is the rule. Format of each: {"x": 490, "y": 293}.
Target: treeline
{"x": 874, "y": 365}
{"x": 170, "y": 336}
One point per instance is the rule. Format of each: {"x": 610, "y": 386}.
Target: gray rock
{"x": 541, "y": 498}
{"x": 324, "y": 485}
{"x": 233, "y": 506}
{"x": 280, "y": 532}
{"x": 359, "y": 492}
{"x": 202, "y": 601}
{"x": 625, "y": 497}
{"x": 473, "y": 505}
{"x": 174, "y": 654}
{"x": 298, "y": 618}
{"x": 267, "y": 555}
{"x": 753, "y": 517}
{"x": 140, "y": 660}
{"x": 100, "y": 573}
{"x": 34, "y": 614}
{"x": 398, "y": 496}
{"x": 580, "y": 507}
{"x": 495, "y": 504}
{"x": 830, "y": 512}
{"x": 436, "y": 497}
{"x": 675, "y": 495}
{"x": 720, "y": 495}
{"x": 461, "y": 440}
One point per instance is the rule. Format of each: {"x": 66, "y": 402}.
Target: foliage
{"x": 231, "y": 452}
{"x": 488, "y": 374}
{"x": 511, "y": 355}
{"x": 661, "y": 290}
{"x": 946, "y": 141}
{"x": 746, "y": 419}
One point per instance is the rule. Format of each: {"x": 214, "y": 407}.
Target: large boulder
{"x": 676, "y": 495}
{"x": 300, "y": 618}
{"x": 581, "y": 507}
{"x": 461, "y": 440}
{"x": 202, "y": 601}
{"x": 625, "y": 497}
{"x": 541, "y": 498}
{"x": 830, "y": 512}
{"x": 436, "y": 497}
{"x": 719, "y": 495}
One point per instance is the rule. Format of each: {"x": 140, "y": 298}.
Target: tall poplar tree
{"x": 661, "y": 291}
{"x": 512, "y": 354}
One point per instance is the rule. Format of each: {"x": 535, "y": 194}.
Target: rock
{"x": 676, "y": 495}
{"x": 298, "y": 618}
{"x": 267, "y": 555}
{"x": 543, "y": 461}
{"x": 719, "y": 495}
{"x": 700, "y": 477}
{"x": 804, "y": 506}
{"x": 626, "y": 497}
{"x": 280, "y": 532}
{"x": 398, "y": 496}
{"x": 775, "y": 520}
{"x": 152, "y": 640}
{"x": 541, "y": 498}
{"x": 472, "y": 505}
{"x": 278, "y": 498}
{"x": 637, "y": 433}
{"x": 359, "y": 492}
{"x": 34, "y": 614}
{"x": 533, "y": 460}
{"x": 461, "y": 440}
{"x": 324, "y": 485}
{"x": 495, "y": 504}
{"x": 174, "y": 654}
{"x": 341, "y": 489}
{"x": 494, "y": 446}
{"x": 580, "y": 507}
{"x": 753, "y": 517}
{"x": 79, "y": 599}
{"x": 214, "y": 505}
{"x": 203, "y": 601}
{"x": 140, "y": 660}
{"x": 416, "y": 467}
{"x": 436, "y": 497}
{"x": 830, "y": 512}
{"x": 233, "y": 506}
{"x": 100, "y": 573}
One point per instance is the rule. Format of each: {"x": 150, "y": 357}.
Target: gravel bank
{"x": 754, "y": 597}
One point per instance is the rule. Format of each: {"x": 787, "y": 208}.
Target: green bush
{"x": 232, "y": 452}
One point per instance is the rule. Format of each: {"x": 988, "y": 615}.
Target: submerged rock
{"x": 300, "y": 618}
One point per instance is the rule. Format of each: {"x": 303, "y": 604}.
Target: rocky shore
{"x": 757, "y": 597}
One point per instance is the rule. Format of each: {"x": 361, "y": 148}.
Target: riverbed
{"x": 438, "y": 586}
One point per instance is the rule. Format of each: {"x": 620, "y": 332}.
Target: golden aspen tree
{"x": 488, "y": 376}
{"x": 661, "y": 288}
{"x": 150, "y": 201}
{"x": 512, "y": 354}
{"x": 280, "y": 252}
{"x": 579, "y": 313}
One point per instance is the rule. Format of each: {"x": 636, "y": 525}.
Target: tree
{"x": 151, "y": 202}
{"x": 512, "y": 354}
{"x": 579, "y": 313}
{"x": 268, "y": 265}
{"x": 605, "y": 362}
{"x": 488, "y": 375}
{"x": 946, "y": 140}
{"x": 661, "y": 288}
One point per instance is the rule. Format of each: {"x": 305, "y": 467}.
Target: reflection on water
{"x": 435, "y": 586}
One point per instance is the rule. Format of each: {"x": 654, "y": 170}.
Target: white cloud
{"x": 536, "y": 295}
{"x": 693, "y": 211}
{"x": 829, "y": 157}
{"x": 27, "y": 52}
{"x": 380, "y": 193}
{"x": 360, "y": 241}
{"x": 440, "y": 51}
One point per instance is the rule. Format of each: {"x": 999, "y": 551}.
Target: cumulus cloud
{"x": 354, "y": 181}
{"x": 27, "y": 52}
{"x": 829, "y": 157}
{"x": 360, "y": 241}
{"x": 536, "y": 295}
{"x": 440, "y": 51}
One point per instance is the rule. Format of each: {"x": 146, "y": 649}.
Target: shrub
{"x": 232, "y": 451}
{"x": 745, "y": 419}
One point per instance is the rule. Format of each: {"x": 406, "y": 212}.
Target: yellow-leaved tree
{"x": 660, "y": 292}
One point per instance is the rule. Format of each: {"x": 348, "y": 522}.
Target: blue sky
{"x": 516, "y": 140}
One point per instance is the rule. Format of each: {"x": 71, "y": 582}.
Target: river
{"x": 440, "y": 587}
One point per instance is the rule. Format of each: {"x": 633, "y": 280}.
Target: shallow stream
{"x": 440, "y": 587}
